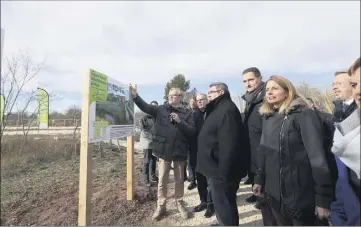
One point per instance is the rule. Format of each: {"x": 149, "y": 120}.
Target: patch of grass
{"x": 40, "y": 180}
{"x": 23, "y": 155}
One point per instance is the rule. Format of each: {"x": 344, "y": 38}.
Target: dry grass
{"x": 20, "y": 155}
{"x": 39, "y": 185}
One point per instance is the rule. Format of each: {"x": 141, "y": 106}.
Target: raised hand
{"x": 133, "y": 90}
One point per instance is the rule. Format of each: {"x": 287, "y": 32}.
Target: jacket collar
{"x": 257, "y": 95}
{"x": 296, "y": 106}
{"x": 171, "y": 108}
{"x": 216, "y": 102}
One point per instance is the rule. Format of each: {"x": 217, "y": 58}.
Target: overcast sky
{"x": 148, "y": 42}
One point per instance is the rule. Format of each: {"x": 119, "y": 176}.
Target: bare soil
{"x": 39, "y": 185}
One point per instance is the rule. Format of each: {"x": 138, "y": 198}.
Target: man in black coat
{"x": 252, "y": 79}
{"x": 171, "y": 131}
{"x": 202, "y": 184}
{"x": 222, "y": 152}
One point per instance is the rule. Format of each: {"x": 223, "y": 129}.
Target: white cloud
{"x": 148, "y": 42}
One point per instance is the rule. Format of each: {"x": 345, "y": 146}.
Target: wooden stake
{"x": 130, "y": 167}
{"x": 85, "y": 170}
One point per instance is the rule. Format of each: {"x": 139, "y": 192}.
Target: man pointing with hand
{"x": 174, "y": 125}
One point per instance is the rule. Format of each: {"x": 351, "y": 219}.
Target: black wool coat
{"x": 253, "y": 121}
{"x": 198, "y": 118}
{"x": 223, "y": 142}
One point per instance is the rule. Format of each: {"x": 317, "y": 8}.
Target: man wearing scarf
{"x": 252, "y": 79}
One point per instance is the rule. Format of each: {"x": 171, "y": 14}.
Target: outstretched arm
{"x": 145, "y": 107}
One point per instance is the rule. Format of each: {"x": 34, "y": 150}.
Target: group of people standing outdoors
{"x": 303, "y": 163}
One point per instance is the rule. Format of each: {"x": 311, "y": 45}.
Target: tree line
{"x": 21, "y": 69}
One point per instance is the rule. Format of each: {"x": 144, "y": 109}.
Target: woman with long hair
{"x": 292, "y": 165}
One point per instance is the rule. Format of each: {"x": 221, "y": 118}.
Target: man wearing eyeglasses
{"x": 223, "y": 145}
{"x": 171, "y": 132}
{"x": 204, "y": 192}
{"x": 345, "y": 104}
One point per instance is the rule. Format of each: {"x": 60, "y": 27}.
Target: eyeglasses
{"x": 169, "y": 96}
{"x": 211, "y": 92}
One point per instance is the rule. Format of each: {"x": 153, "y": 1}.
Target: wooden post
{"x": 130, "y": 167}
{"x": 130, "y": 164}
{"x": 85, "y": 172}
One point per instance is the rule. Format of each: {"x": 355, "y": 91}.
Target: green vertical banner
{"x": 43, "y": 108}
{"x": 2, "y": 104}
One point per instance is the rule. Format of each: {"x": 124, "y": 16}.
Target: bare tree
{"x": 240, "y": 103}
{"x": 74, "y": 112}
{"x": 19, "y": 71}
{"x": 322, "y": 97}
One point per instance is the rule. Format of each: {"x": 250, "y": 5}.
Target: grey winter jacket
{"x": 146, "y": 136}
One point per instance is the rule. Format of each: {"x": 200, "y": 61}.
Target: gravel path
{"x": 248, "y": 214}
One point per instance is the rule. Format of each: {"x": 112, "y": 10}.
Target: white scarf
{"x": 346, "y": 143}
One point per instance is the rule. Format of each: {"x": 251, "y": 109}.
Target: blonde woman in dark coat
{"x": 292, "y": 165}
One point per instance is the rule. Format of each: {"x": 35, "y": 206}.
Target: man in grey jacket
{"x": 146, "y": 137}
{"x": 171, "y": 132}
